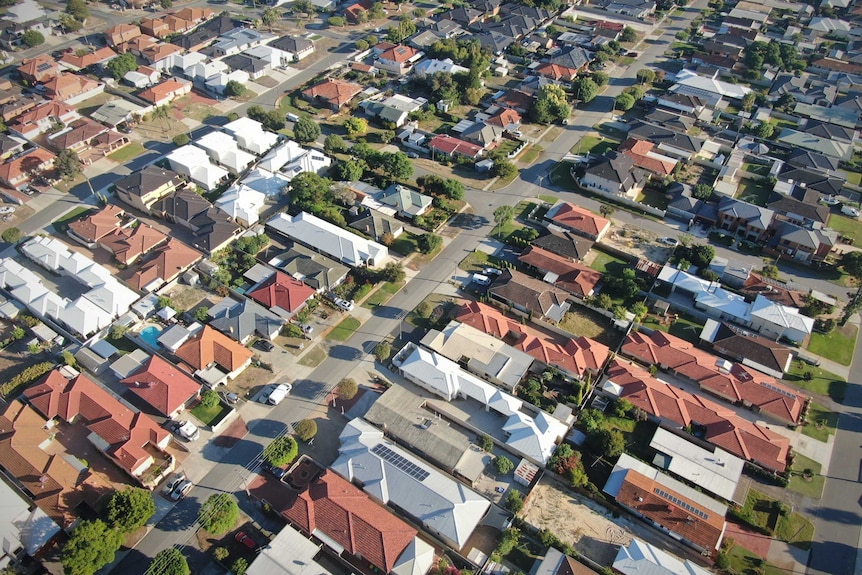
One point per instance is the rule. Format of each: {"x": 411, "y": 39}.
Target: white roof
{"x": 267, "y": 183}
{"x": 202, "y": 70}
{"x": 641, "y": 558}
{"x": 443, "y": 505}
{"x": 311, "y": 161}
{"x": 187, "y": 157}
{"x": 329, "y": 239}
{"x": 224, "y": 149}
{"x": 707, "y": 294}
{"x": 416, "y": 559}
{"x": 432, "y": 66}
{"x": 716, "y": 471}
{"x": 187, "y": 60}
{"x": 281, "y": 156}
{"x": 242, "y": 202}
{"x": 251, "y": 136}
{"x": 22, "y": 527}
{"x": 289, "y": 553}
{"x": 781, "y": 315}
{"x": 218, "y": 81}
{"x": 690, "y": 79}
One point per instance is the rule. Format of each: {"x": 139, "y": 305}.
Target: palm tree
{"x": 162, "y": 113}
{"x": 270, "y": 16}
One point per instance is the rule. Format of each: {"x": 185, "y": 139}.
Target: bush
{"x": 220, "y": 553}
{"x": 486, "y": 443}
{"x": 33, "y": 38}
{"x": 239, "y": 566}
{"x": 503, "y": 465}
{"x": 11, "y": 235}
{"x": 209, "y": 399}
{"x": 169, "y": 561}
{"x": 424, "y": 310}
{"x": 25, "y": 378}
{"x": 219, "y": 513}
{"x": 722, "y": 561}
{"x": 347, "y": 388}
{"x": 91, "y": 546}
{"x": 281, "y": 451}
{"x": 382, "y": 351}
{"x": 306, "y": 429}
{"x": 429, "y": 243}
{"x": 514, "y": 501}
{"x": 181, "y": 140}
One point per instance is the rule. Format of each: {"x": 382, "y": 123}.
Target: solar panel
{"x": 43, "y": 67}
{"x": 399, "y": 462}
{"x": 680, "y": 503}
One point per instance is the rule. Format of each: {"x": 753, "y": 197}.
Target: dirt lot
{"x": 588, "y": 527}
{"x": 639, "y": 242}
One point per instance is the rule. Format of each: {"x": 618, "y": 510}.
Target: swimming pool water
{"x": 150, "y": 334}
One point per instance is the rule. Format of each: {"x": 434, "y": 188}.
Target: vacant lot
{"x": 581, "y": 321}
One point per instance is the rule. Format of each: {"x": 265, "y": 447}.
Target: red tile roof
{"x": 128, "y": 244}
{"x": 739, "y": 384}
{"x": 399, "y": 54}
{"x": 556, "y": 72}
{"x": 721, "y": 426}
{"x": 210, "y": 346}
{"x": 39, "y": 68}
{"x": 98, "y": 225}
{"x": 164, "y": 90}
{"x": 573, "y": 277}
{"x": 169, "y": 261}
{"x": 333, "y": 91}
{"x": 577, "y": 356}
{"x": 449, "y": 146}
{"x": 36, "y": 160}
{"x": 772, "y": 290}
{"x": 163, "y": 385}
{"x": 580, "y": 220}
{"x": 88, "y": 59}
{"x": 638, "y": 150}
{"x": 281, "y": 290}
{"x": 67, "y": 86}
{"x": 504, "y": 118}
{"x": 126, "y": 432}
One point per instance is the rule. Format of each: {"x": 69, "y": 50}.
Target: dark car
{"x": 276, "y": 472}
{"x": 241, "y": 537}
{"x": 264, "y": 345}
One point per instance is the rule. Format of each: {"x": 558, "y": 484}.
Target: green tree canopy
{"x": 209, "y": 398}
{"x": 78, "y": 9}
{"x": 130, "y": 508}
{"x": 552, "y": 103}
{"x": 68, "y": 164}
{"x": 309, "y": 191}
{"x": 234, "y": 89}
{"x": 32, "y": 38}
{"x": 624, "y": 102}
{"x": 281, "y": 451}
{"x": 429, "y": 243}
{"x": 348, "y": 170}
{"x": 503, "y": 215}
{"x": 333, "y": 143}
{"x": 181, "y": 139}
{"x": 306, "y": 429}
{"x": 852, "y": 263}
{"x": 219, "y": 513}
{"x": 347, "y": 388}
{"x": 270, "y": 16}
{"x": 504, "y": 169}
{"x": 11, "y": 235}
{"x": 91, "y": 546}
{"x": 503, "y": 465}
{"x": 271, "y": 120}
{"x": 645, "y": 76}
{"x": 306, "y": 130}
{"x": 382, "y": 351}
{"x": 337, "y": 21}
{"x": 628, "y": 35}
{"x": 169, "y": 561}
{"x": 398, "y": 165}
{"x": 122, "y": 64}
{"x": 355, "y": 126}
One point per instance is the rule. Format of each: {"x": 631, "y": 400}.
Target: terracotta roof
{"x": 138, "y": 44}
{"x": 25, "y": 164}
{"x": 163, "y": 385}
{"x": 772, "y": 290}
{"x": 448, "y": 145}
{"x": 581, "y": 220}
{"x": 527, "y": 292}
{"x": 504, "y": 118}
{"x": 122, "y": 33}
{"x": 52, "y": 109}
{"x": 126, "y": 432}
{"x": 210, "y": 346}
{"x": 158, "y": 52}
{"x": 719, "y": 424}
{"x": 195, "y": 14}
{"x": 162, "y": 90}
{"x": 82, "y": 131}
{"x": 556, "y": 71}
{"x": 88, "y": 59}
{"x": 168, "y": 261}
{"x": 570, "y": 566}
{"x": 703, "y": 527}
{"x": 731, "y": 381}
{"x": 607, "y": 25}
{"x": 516, "y": 99}
{"x": 128, "y": 244}
{"x": 155, "y": 27}
{"x": 638, "y": 150}
{"x": 98, "y": 225}
{"x": 333, "y": 91}
{"x": 39, "y": 68}
{"x": 343, "y": 512}
{"x": 577, "y": 356}
{"x": 399, "y": 54}
{"x": 571, "y": 276}
{"x": 281, "y": 290}
{"x": 66, "y": 86}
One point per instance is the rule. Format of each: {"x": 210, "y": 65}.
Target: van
{"x": 278, "y": 393}
{"x": 481, "y": 280}
{"x": 292, "y": 118}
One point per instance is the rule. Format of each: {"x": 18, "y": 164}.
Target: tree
{"x": 503, "y": 215}
{"x": 607, "y": 210}
{"x": 504, "y": 169}
{"x": 91, "y": 546}
{"x": 309, "y": 192}
{"x": 503, "y": 465}
{"x": 130, "y": 509}
{"x": 362, "y": 45}
{"x": 567, "y": 462}
{"x": 398, "y": 165}
{"x": 645, "y": 76}
{"x": 382, "y": 351}
{"x": 169, "y": 561}
{"x": 219, "y": 513}
{"x": 165, "y": 4}
{"x": 624, "y": 102}
{"x": 600, "y": 78}
{"x": 764, "y": 130}
{"x": 348, "y": 170}
{"x": 702, "y": 191}
{"x": 201, "y": 313}
{"x": 336, "y": 21}
{"x": 69, "y": 23}
{"x": 281, "y": 451}
{"x": 355, "y": 126}
{"x": 69, "y": 358}
{"x": 429, "y": 243}
{"x": 514, "y": 501}
{"x": 68, "y": 164}
{"x": 852, "y": 264}
{"x": 234, "y": 89}
{"x": 722, "y": 560}
{"x": 613, "y": 443}
{"x": 552, "y": 104}
{"x": 121, "y": 65}
{"x": 701, "y": 255}
{"x": 623, "y": 284}
{"x": 748, "y": 101}
{"x": 628, "y": 35}
{"x": 305, "y": 130}
{"x": 181, "y": 139}
{"x": 333, "y": 143}
{"x": 486, "y": 443}
{"x": 11, "y": 235}
{"x": 32, "y": 38}
{"x": 239, "y": 566}
{"x": 270, "y": 16}
{"x": 639, "y": 309}
{"x": 386, "y": 136}
{"x": 271, "y": 120}
{"x": 209, "y": 399}
{"x": 306, "y": 429}
{"x": 347, "y": 388}
{"x": 78, "y": 9}
{"x": 393, "y": 273}
{"x": 453, "y": 189}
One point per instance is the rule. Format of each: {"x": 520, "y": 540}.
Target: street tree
{"x": 270, "y": 16}
{"x": 234, "y": 89}
{"x": 333, "y": 143}
{"x": 78, "y": 9}
{"x": 355, "y": 126}
{"x": 382, "y": 351}
{"x": 306, "y": 130}
{"x": 32, "y": 38}
{"x": 219, "y": 513}
{"x": 130, "y": 509}
{"x": 281, "y": 451}
{"x": 169, "y": 561}
{"x": 429, "y": 243}
{"x": 347, "y": 388}
{"x": 91, "y": 546}
{"x": 852, "y": 263}
{"x": 398, "y": 165}
{"x": 503, "y": 215}
{"x": 624, "y": 102}
{"x": 67, "y": 163}
{"x": 645, "y": 76}
{"x": 306, "y": 429}
{"x": 504, "y": 169}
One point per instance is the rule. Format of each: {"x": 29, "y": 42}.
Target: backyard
{"x": 754, "y": 192}
{"x": 605, "y": 263}
{"x": 836, "y": 345}
{"x": 682, "y": 327}
{"x": 581, "y": 321}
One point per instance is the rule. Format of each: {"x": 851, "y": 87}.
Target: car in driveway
{"x": 830, "y": 200}
{"x": 243, "y": 538}
{"x": 7, "y": 210}
{"x": 175, "y": 481}
{"x": 670, "y": 242}
{"x": 412, "y": 155}
{"x": 850, "y": 211}
{"x": 264, "y": 345}
{"x": 306, "y": 328}
{"x": 277, "y": 472}
{"x": 181, "y": 490}
{"x": 186, "y": 429}
{"x": 344, "y": 304}
{"x": 492, "y": 272}
{"x": 276, "y": 393}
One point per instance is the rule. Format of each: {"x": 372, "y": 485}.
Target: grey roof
{"x": 803, "y": 86}
{"x": 574, "y": 58}
{"x": 565, "y": 244}
{"x": 375, "y": 224}
{"x": 808, "y": 210}
{"x": 659, "y": 135}
{"x": 482, "y": 134}
{"x": 461, "y": 15}
{"x": 242, "y": 319}
{"x": 246, "y": 63}
{"x": 807, "y": 159}
{"x": 494, "y": 41}
{"x": 829, "y": 131}
{"x": 312, "y": 268}
{"x": 144, "y": 181}
{"x": 812, "y": 239}
{"x": 115, "y": 111}
{"x": 443, "y": 505}
{"x": 619, "y": 168}
{"x": 205, "y": 32}
{"x": 292, "y": 44}
{"x": 682, "y": 99}
{"x": 755, "y": 215}
{"x": 22, "y": 527}
{"x": 447, "y": 27}
{"x": 742, "y": 346}
{"x": 641, "y": 558}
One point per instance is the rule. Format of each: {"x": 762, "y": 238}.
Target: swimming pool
{"x": 150, "y": 335}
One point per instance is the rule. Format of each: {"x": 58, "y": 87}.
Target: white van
{"x": 292, "y": 118}
{"x": 277, "y": 394}
{"x": 481, "y": 280}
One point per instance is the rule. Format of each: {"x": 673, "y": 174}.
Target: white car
{"x": 275, "y": 394}
{"x": 670, "y": 242}
{"x": 829, "y": 200}
{"x": 850, "y": 211}
{"x": 181, "y": 490}
{"x": 344, "y": 304}
{"x": 492, "y": 272}
{"x": 187, "y": 430}
{"x": 7, "y": 210}
{"x": 175, "y": 482}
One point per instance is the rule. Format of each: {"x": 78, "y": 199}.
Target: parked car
{"x": 412, "y": 155}
{"x": 830, "y": 200}
{"x": 344, "y": 304}
{"x": 264, "y": 345}
{"x": 276, "y": 472}
{"x": 241, "y": 537}
{"x": 275, "y": 394}
{"x": 671, "y": 242}
{"x": 492, "y": 272}
{"x": 306, "y": 328}
{"x": 7, "y": 210}
{"x": 481, "y": 280}
{"x": 850, "y": 211}
{"x": 181, "y": 490}
{"x": 229, "y": 397}
{"x": 174, "y": 483}
{"x": 186, "y": 429}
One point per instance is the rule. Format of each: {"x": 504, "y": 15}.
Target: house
{"x": 121, "y": 33}
{"x": 163, "y": 386}
{"x": 251, "y": 136}
{"x": 17, "y": 172}
{"x": 202, "y": 35}
{"x": 131, "y": 439}
{"x": 43, "y": 118}
{"x": 28, "y": 456}
{"x": 801, "y": 244}
{"x": 686, "y": 514}
{"x": 742, "y": 219}
{"x": 576, "y": 358}
{"x": 143, "y": 77}
{"x": 163, "y": 265}
{"x": 74, "y": 62}
{"x": 155, "y": 27}
{"x": 578, "y": 220}
{"x": 166, "y": 92}
{"x": 89, "y": 230}
{"x": 407, "y": 202}
{"x": 444, "y": 507}
{"x": 486, "y": 135}
{"x": 517, "y": 100}
{"x": 802, "y": 205}
{"x": 282, "y": 294}
{"x": 10, "y": 146}
{"x": 239, "y": 39}
{"x": 529, "y": 432}
{"x": 332, "y": 93}
{"x": 160, "y": 56}
{"x": 448, "y": 146}
{"x": 615, "y": 173}
{"x": 136, "y": 46}
{"x": 398, "y": 59}
{"x": 312, "y": 268}
{"x": 529, "y": 295}
{"x": 213, "y": 356}
{"x": 212, "y": 229}
{"x": 329, "y": 239}
{"x": 16, "y": 103}
{"x": 577, "y": 279}
{"x": 145, "y": 187}
{"x": 224, "y": 150}
{"x": 194, "y": 163}
{"x": 564, "y": 244}
{"x": 375, "y": 225}
{"x": 555, "y": 563}
{"x": 116, "y": 111}
{"x": 296, "y": 47}
{"x": 804, "y": 88}
{"x": 319, "y": 502}
{"x": 668, "y": 142}
{"x": 393, "y": 110}
{"x": 432, "y": 66}
{"x": 682, "y": 103}
{"x": 242, "y": 204}
{"x": 746, "y": 348}
{"x": 716, "y": 424}
{"x": 642, "y": 155}
{"x": 556, "y": 72}
{"x": 730, "y": 381}
{"x": 310, "y": 160}
{"x": 243, "y": 319}
{"x": 711, "y": 90}
{"x": 462, "y": 15}
{"x": 778, "y": 321}
{"x": 835, "y": 148}
{"x": 80, "y": 136}
{"x": 505, "y": 118}
{"x": 574, "y": 58}
{"x": 640, "y": 557}
{"x": 254, "y": 67}
{"x": 27, "y": 529}
{"x": 636, "y": 8}
{"x": 128, "y": 244}
{"x": 38, "y": 69}
{"x": 354, "y": 11}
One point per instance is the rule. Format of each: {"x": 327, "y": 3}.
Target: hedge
{"x": 21, "y": 380}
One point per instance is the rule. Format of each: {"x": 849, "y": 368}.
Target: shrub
{"x": 423, "y": 310}
{"x": 209, "y": 399}
{"x": 347, "y": 388}
{"x": 281, "y": 451}
{"x": 181, "y": 140}
{"x": 306, "y": 429}
{"x": 239, "y": 566}
{"x": 514, "y": 501}
{"x": 504, "y": 465}
{"x": 130, "y": 509}
{"x": 220, "y": 553}
{"x": 486, "y": 443}
{"x": 219, "y": 513}
{"x": 11, "y": 235}
{"x": 69, "y": 358}
{"x": 382, "y": 351}
{"x": 25, "y": 378}
{"x": 722, "y": 561}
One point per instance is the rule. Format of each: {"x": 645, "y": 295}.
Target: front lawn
{"x": 382, "y": 295}
{"x": 478, "y": 260}
{"x": 210, "y": 415}
{"x": 771, "y": 516}
{"x": 405, "y": 244}
{"x": 744, "y": 562}
{"x": 654, "y": 198}
{"x": 811, "y": 487}
{"x": 819, "y": 422}
{"x": 605, "y": 262}
{"x": 561, "y": 176}
{"x": 837, "y": 345}
{"x": 822, "y": 382}
{"x": 62, "y": 223}
{"x": 439, "y": 307}
{"x": 847, "y": 227}
{"x": 127, "y": 152}
{"x": 345, "y": 329}
{"x": 531, "y": 155}
{"x": 313, "y": 357}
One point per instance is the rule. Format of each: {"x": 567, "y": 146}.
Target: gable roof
{"x": 147, "y": 180}
{"x": 661, "y": 136}
{"x": 405, "y": 199}
{"x": 128, "y": 244}
{"x": 210, "y": 346}
{"x": 776, "y": 291}
{"x": 163, "y": 385}
{"x": 578, "y": 219}
{"x": 751, "y": 214}
{"x": 642, "y": 155}
{"x": 571, "y": 276}
{"x": 530, "y": 293}
{"x": 641, "y": 558}
{"x": 333, "y": 91}
{"x": 243, "y": 318}
{"x": 166, "y": 263}
{"x": 760, "y": 350}
{"x": 282, "y": 291}
{"x": 448, "y": 145}
{"x": 99, "y": 224}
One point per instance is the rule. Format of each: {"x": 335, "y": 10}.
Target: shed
{"x": 484, "y": 166}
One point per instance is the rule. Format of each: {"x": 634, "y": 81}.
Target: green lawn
{"x": 440, "y": 307}
{"x": 561, "y": 176}
{"x": 605, "y": 262}
{"x": 507, "y": 146}
{"x": 822, "y": 382}
{"x": 809, "y": 487}
{"x": 62, "y": 224}
{"x": 531, "y": 155}
{"x": 846, "y": 226}
{"x": 760, "y": 512}
{"x": 382, "y": 295}
{"x": 854, "y": 178}
{"x": 756, "y": 169}
{"x": 313, "y": 357}
{"x": 210, "y": 415}
{"x": 595, "y": 143}
{"x": 345, "y": 329}
{"x": 405, "y": 244}
{"x": 653, "y": 198}
{"x": 753, "y": 192}
{"x": 126, "y": 153}
{"x": 548, "y": 199}
{"x": 683, "y": 328}
{"x": 744, "y": 562}
{"x": 820, "y": 422}
{"x": 837, "y": 345}
{"x": 624, "y": 424}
